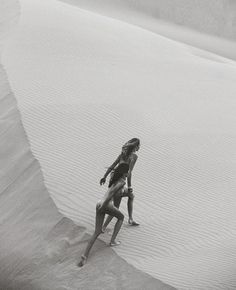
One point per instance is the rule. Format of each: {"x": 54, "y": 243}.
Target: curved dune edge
{"x": 177, "y": 21}
{"x": 73, "y": 86}
{"x": 39, "y": 247}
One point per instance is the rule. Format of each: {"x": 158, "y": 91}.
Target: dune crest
{"x": 87, "y": 84}
{"x": 39, "y": 247}
{"x": 208, "y": 25}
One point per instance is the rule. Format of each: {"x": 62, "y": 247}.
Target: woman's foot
{"x": 82, "y": 261}
{"x": 114, "y": 243}
{"x": 132, "y": 223}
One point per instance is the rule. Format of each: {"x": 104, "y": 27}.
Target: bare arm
{"x": 103, "y": 180}
{"x": 112, "y": 166}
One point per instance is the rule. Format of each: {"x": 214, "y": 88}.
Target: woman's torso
{"x": 128, "y": 159}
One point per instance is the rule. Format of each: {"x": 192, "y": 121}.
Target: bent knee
{"x": 98, "y": 206}
{"x": 121, "y": 217}
{"x": 131, "y": 195}
{"x": 98, "y": 232}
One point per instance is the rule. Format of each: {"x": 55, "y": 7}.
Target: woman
{"x": 105, "y": 206}
{"x": 127, "y": 155}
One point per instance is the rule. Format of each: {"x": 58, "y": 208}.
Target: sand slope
{"x": 208, "y": 25}
{"x": 214, "y": 17}
{"x": 39, "y": 247}
{"x": 86, "y": 83}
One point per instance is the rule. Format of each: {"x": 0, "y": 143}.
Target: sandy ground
{"x": 86, "y": 83}
{"x": 208, "y": 25}
{"x": 40, "y": 248}
{"x": 214, "y": 17}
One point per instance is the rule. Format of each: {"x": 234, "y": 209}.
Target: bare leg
{"x": 110, "y": 210}
{"x": 113, "y": 211}
{"x": 98, "y": 229}
{"x": 106, "y": 223}
{"x": 115, "y": 232}
{"x": 130, "y": 210}
{"x": 117, "y": 201}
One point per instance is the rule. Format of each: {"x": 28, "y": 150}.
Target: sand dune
{"x": 214, "y": 17}
{"x": 208, "y": 25}
{"x": 85, "y": 83}
{"x": 39, "y": 247}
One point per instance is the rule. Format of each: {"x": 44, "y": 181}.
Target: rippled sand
{"x": 86, "y": 83}
{"x": 39, "y": 247}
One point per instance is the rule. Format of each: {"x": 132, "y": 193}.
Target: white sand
{"x": 39, "y": 248}
{"x": 209, "y": 25}
{"x": 86, "y": 83}
{"x": 214, "y": 17}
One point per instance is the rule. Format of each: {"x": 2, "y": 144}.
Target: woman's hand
{"x": 102, "y": 181}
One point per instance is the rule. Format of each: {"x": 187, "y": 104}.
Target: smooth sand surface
{"x": 85, "y": 84}
{"x": 214, "y": 17}
{"x": 40, "y": 248}
{"x": 208, "y": 25}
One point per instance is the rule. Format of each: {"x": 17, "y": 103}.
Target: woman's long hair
{"x": 121, "y": 169}
{"x": 128, "y": 147}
